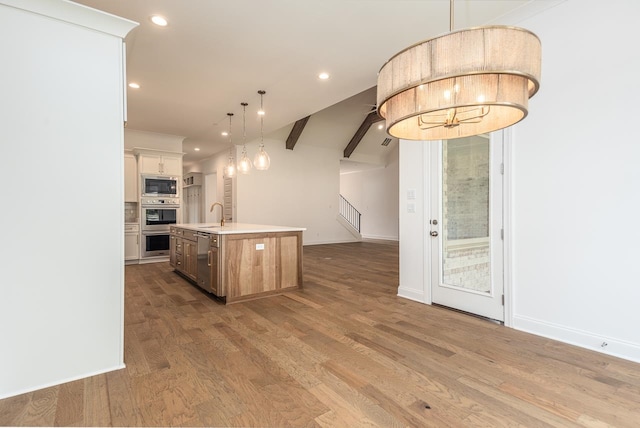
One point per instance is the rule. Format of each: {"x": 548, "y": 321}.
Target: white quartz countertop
{"x": 230, "y": 228}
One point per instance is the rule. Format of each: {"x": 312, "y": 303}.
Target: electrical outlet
{"x": 259, "y": 246}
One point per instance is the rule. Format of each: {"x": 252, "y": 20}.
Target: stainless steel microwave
{"x": 161, "y": 186}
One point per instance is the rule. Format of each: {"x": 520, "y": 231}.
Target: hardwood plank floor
{"x": 343, "y": 351}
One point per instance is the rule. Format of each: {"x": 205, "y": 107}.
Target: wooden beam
{"x": 297, "y": 129}
{"x": 371, "y": 118}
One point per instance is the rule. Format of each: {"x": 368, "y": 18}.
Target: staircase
{"x": 349, "y": 216}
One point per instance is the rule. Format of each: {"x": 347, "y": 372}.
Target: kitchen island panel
{"x": 262, "y": 264}
{"x": 290, "y": 268}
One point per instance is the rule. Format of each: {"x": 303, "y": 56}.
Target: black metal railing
{"x": 350, "y": 213}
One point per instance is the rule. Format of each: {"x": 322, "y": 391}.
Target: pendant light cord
{"x": 261, "y": 118}
{"x": 244, "y": 126}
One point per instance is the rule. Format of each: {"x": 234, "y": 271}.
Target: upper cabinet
{"x": 130, "y": 178}
{"x": 160, "y": 163}
{"x": 157, "y": 162}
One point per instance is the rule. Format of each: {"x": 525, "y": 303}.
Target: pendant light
{"x": 244, "y": 165}
{"x": 261, "y": 160}
{"x": 230, "y": 169}
{"x": 463, "y": 83}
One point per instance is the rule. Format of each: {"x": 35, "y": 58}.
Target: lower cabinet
{"x": 183, "y": 251}
{"x": 175, "y": 251}
{"x": 190, "y": 258}
{"x": 131, "y": 242}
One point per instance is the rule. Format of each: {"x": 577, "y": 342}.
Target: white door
{"x": 466, "y": 224}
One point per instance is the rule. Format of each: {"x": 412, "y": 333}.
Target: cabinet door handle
{"x": 209, "y": 258}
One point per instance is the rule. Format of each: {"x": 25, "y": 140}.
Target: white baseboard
{"x": 384, "y": 238}
{"x": 153, "y": 260}
{"x": 330, "y": 242}
{"x": 584, "y": 339}
{"x": 411, "y": 294}
{"x": 60, "y": 382}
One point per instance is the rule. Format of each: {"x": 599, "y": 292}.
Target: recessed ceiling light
{"x": 134, "y": 85}
{"x": 159, "y": 20}
{"x": 197, "y": 149}
{"x": 224, "y": 133}
{"x": 323, "y": 76}
{"x": 381, "y": 126}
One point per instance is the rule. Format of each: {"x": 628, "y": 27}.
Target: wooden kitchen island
{"x": 238, "y": 261}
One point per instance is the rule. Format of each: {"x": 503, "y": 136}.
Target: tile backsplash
{"x": 130, "y": 212}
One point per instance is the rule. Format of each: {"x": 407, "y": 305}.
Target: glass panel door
{"x": 466, "y": 224}
{"x": 465, "y": 214}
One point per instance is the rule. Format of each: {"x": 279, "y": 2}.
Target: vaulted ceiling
{"x": 215, "y": 54}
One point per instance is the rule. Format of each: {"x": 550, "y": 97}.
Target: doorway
{"x": 211, "y": 195}
{"x": 466, "y": 224}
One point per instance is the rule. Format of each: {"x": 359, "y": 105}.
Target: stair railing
{"x": 350, "y": 213}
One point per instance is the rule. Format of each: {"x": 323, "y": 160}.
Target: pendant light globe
{"x": 262, "y": 161}
{"x": 244, "y": 164}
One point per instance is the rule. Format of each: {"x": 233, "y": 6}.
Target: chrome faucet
{"x": 221, "y": 212}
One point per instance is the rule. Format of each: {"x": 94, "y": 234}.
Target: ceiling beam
{"x": 371, "y": 118}
{"x": 297, "y": 129}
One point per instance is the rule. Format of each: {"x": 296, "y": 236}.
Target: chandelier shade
{"x": 463, "y": 83}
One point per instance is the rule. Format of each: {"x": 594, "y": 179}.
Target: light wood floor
{"x": 344, "y": 351}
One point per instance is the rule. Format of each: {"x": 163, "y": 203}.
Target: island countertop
{"x": 233, "y": 228}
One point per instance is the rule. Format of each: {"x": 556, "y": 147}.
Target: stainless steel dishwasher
{"x": 203, "y": 272}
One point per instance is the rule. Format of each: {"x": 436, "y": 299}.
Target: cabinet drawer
{"x": 131, "y": 228}
{"x": 178, "y": 244}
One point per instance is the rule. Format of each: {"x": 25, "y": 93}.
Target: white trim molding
{"x": 584, "y": 339}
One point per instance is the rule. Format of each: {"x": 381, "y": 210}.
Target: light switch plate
{"x": 411, "y": 208}
{"x": 411, "y": 194}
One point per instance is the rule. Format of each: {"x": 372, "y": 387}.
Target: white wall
{"x": 576, "y": 275}
{"x": 300, "y": 189}
{"x": 412, "y": 217}
{"x": 62, "y": 288}
{"x": 374, "y": 192}
{"x": 574, "y": 186}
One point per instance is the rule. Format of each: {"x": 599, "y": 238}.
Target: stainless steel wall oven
{"x": 157, "y": 216}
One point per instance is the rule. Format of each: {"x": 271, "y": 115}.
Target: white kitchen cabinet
{"x": 162, "y": 164}
{"x": 131, "y": 242}
{"x": 130, "y": 178}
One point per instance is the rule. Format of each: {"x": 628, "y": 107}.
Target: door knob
{"x": 434, "y": 233}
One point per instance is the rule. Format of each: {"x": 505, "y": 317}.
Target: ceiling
{"x": 215, "y": 54}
